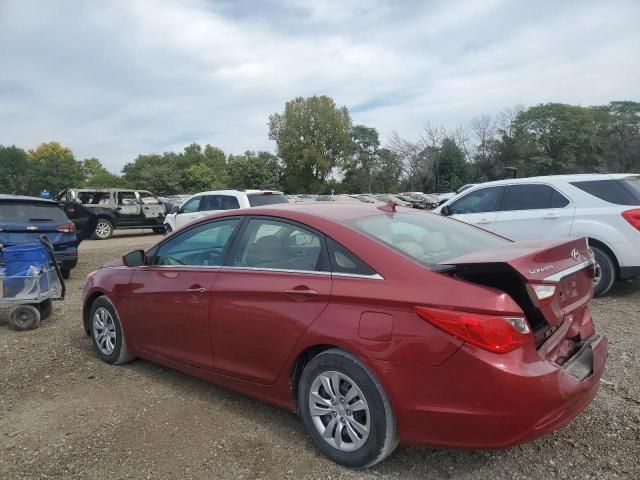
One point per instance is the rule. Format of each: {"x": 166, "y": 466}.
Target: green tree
{"x": 452, "y": 167}
{"x": 251, "y": 170}
{"x": 14, "y": 170}
{"x": 387, "y": 177}
{"x": 98, "y": 176}
{"x": 53, "y": 167}
{"x": 365, "y": 156}
{"x": 313, "y": 137}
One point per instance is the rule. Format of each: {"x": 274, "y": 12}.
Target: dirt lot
{"x": 64, "y": 414}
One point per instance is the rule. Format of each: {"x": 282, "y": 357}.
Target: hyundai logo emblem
{"x": 575, "y": 254}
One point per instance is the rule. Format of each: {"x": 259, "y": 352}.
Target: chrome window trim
{"x": 376, "y": 276}
{"x": 556, "y": 277}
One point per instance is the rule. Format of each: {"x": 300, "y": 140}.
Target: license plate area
{"x": 580, "y": 365}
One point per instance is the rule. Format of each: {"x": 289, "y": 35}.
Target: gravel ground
{"x": 64, "y": 414}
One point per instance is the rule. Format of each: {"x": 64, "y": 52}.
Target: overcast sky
{"x": 113, "y": 79}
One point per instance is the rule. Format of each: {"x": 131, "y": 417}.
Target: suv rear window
{"x": 22, "y": 212}
{"x": 260, "y": 199}
{"x": 625, "y": 191}
{"x": 426, "y": 238}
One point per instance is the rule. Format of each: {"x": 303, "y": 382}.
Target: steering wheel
{"x": 170, "y": 261}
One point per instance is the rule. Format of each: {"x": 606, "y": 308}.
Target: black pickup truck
{"x": 118, "y": 208}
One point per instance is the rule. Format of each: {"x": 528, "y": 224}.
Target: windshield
{"x": 260, "y": 199}
{"x": 22, "y": 212}
{"x": 425, "y": 237}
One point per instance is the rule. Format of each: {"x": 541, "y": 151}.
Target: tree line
{"x": 319, "y": 150}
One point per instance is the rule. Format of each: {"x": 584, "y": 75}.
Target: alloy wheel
{"x": 103, "y": 229}
{"x": 339, "y": 411}
{"x": 104, "y": 331}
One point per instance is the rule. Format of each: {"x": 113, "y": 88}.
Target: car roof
{"x": 577, "y": 177}
{"x": 25, "y": 198}
{"x": 235, "y": 192}
{"x": 336, "y": 211}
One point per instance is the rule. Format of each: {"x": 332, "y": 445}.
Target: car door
{"x": 534, "y": 211}
{"x": 128, "y": 209}
{"x": 189, "y": 211}
{"x": 479, "y": 207}
{"x": 169, "y": 304}
{"x": 275, "y": 284}
{"x": 84, "y": 219}
{"x": 153, "y": 210}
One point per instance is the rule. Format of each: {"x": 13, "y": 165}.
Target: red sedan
{"x": 377, "y": 326}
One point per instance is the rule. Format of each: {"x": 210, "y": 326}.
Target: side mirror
{"x": 445, "y": 211}
{"x": 135, "y": 258}
{"x": 175, "y": 209}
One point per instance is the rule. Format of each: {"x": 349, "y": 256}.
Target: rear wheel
{"x": 24, "y": 317}
{"x": 605, "y": 272}
{"x": 107, "y": 333}
{"x": 66, "y": 273}
{"x": 104, "y": 229}
{"x": 345, "y": 410}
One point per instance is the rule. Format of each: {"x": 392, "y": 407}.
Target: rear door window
{"x": 271, "y": 244}
{"x": 94, "y": 198}
{"x": 218, "y": 202}
{"x": 260, "y": 199}
{"x": 479, "y": 201}
{"x": 532, "y": 197}
{"x": 127, "y": 198}
{"x": 624, "y": 191}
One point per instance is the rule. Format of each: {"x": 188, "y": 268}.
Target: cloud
{"x": 115, "y": 79}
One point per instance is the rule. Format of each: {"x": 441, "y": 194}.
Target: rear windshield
{"x": 625, "y": 191}
{"x": 23, "y": 212}
{"x": 426, "y": 237}
{"x": 260, "y": 199}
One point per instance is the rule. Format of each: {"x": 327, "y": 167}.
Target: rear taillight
{"x": 541, "y": 293}
{"x": 633, "y": 217}
{"x": 66, "y": 228}
{"x": 493, "y": 333}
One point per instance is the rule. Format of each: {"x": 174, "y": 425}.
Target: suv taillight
{"x": 66, "y": 228}
{"x": 493, "y": 333}
{"x": 633, "y": 217}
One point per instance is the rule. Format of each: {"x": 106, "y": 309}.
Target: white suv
{"x": 204, "y": 203}
{"x": 603, "y": 208}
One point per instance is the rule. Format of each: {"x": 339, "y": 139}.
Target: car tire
{"x": 167, "y": 229}
{"x": 367, "y": 435}
{"x": 46, "y": 309}
{"x": 104, "y": 229}
{"x": 24, "y": 317}
{"x": 106, "y": 332}
{"x": 66, "y": 273}
{"x": 605, "y": 272}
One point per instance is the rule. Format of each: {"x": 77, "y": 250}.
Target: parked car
{"x": 603, "y": 208}
{"x": 24, "y": 219}
{"x": 465, "y": 187}
{"x": 205, "y": 203}
{"x": 387, "y": 197}
{"x": 118, "y": 208}
{"x": 376, "y": 324}
{"x": 444, "y": 197}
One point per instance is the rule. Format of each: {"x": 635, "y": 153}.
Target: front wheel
{"x": 167, "y": 229}
{"x": 345, "y": 410}
{"x": 605, "y": 272}
{"x": 107, "y": 333}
